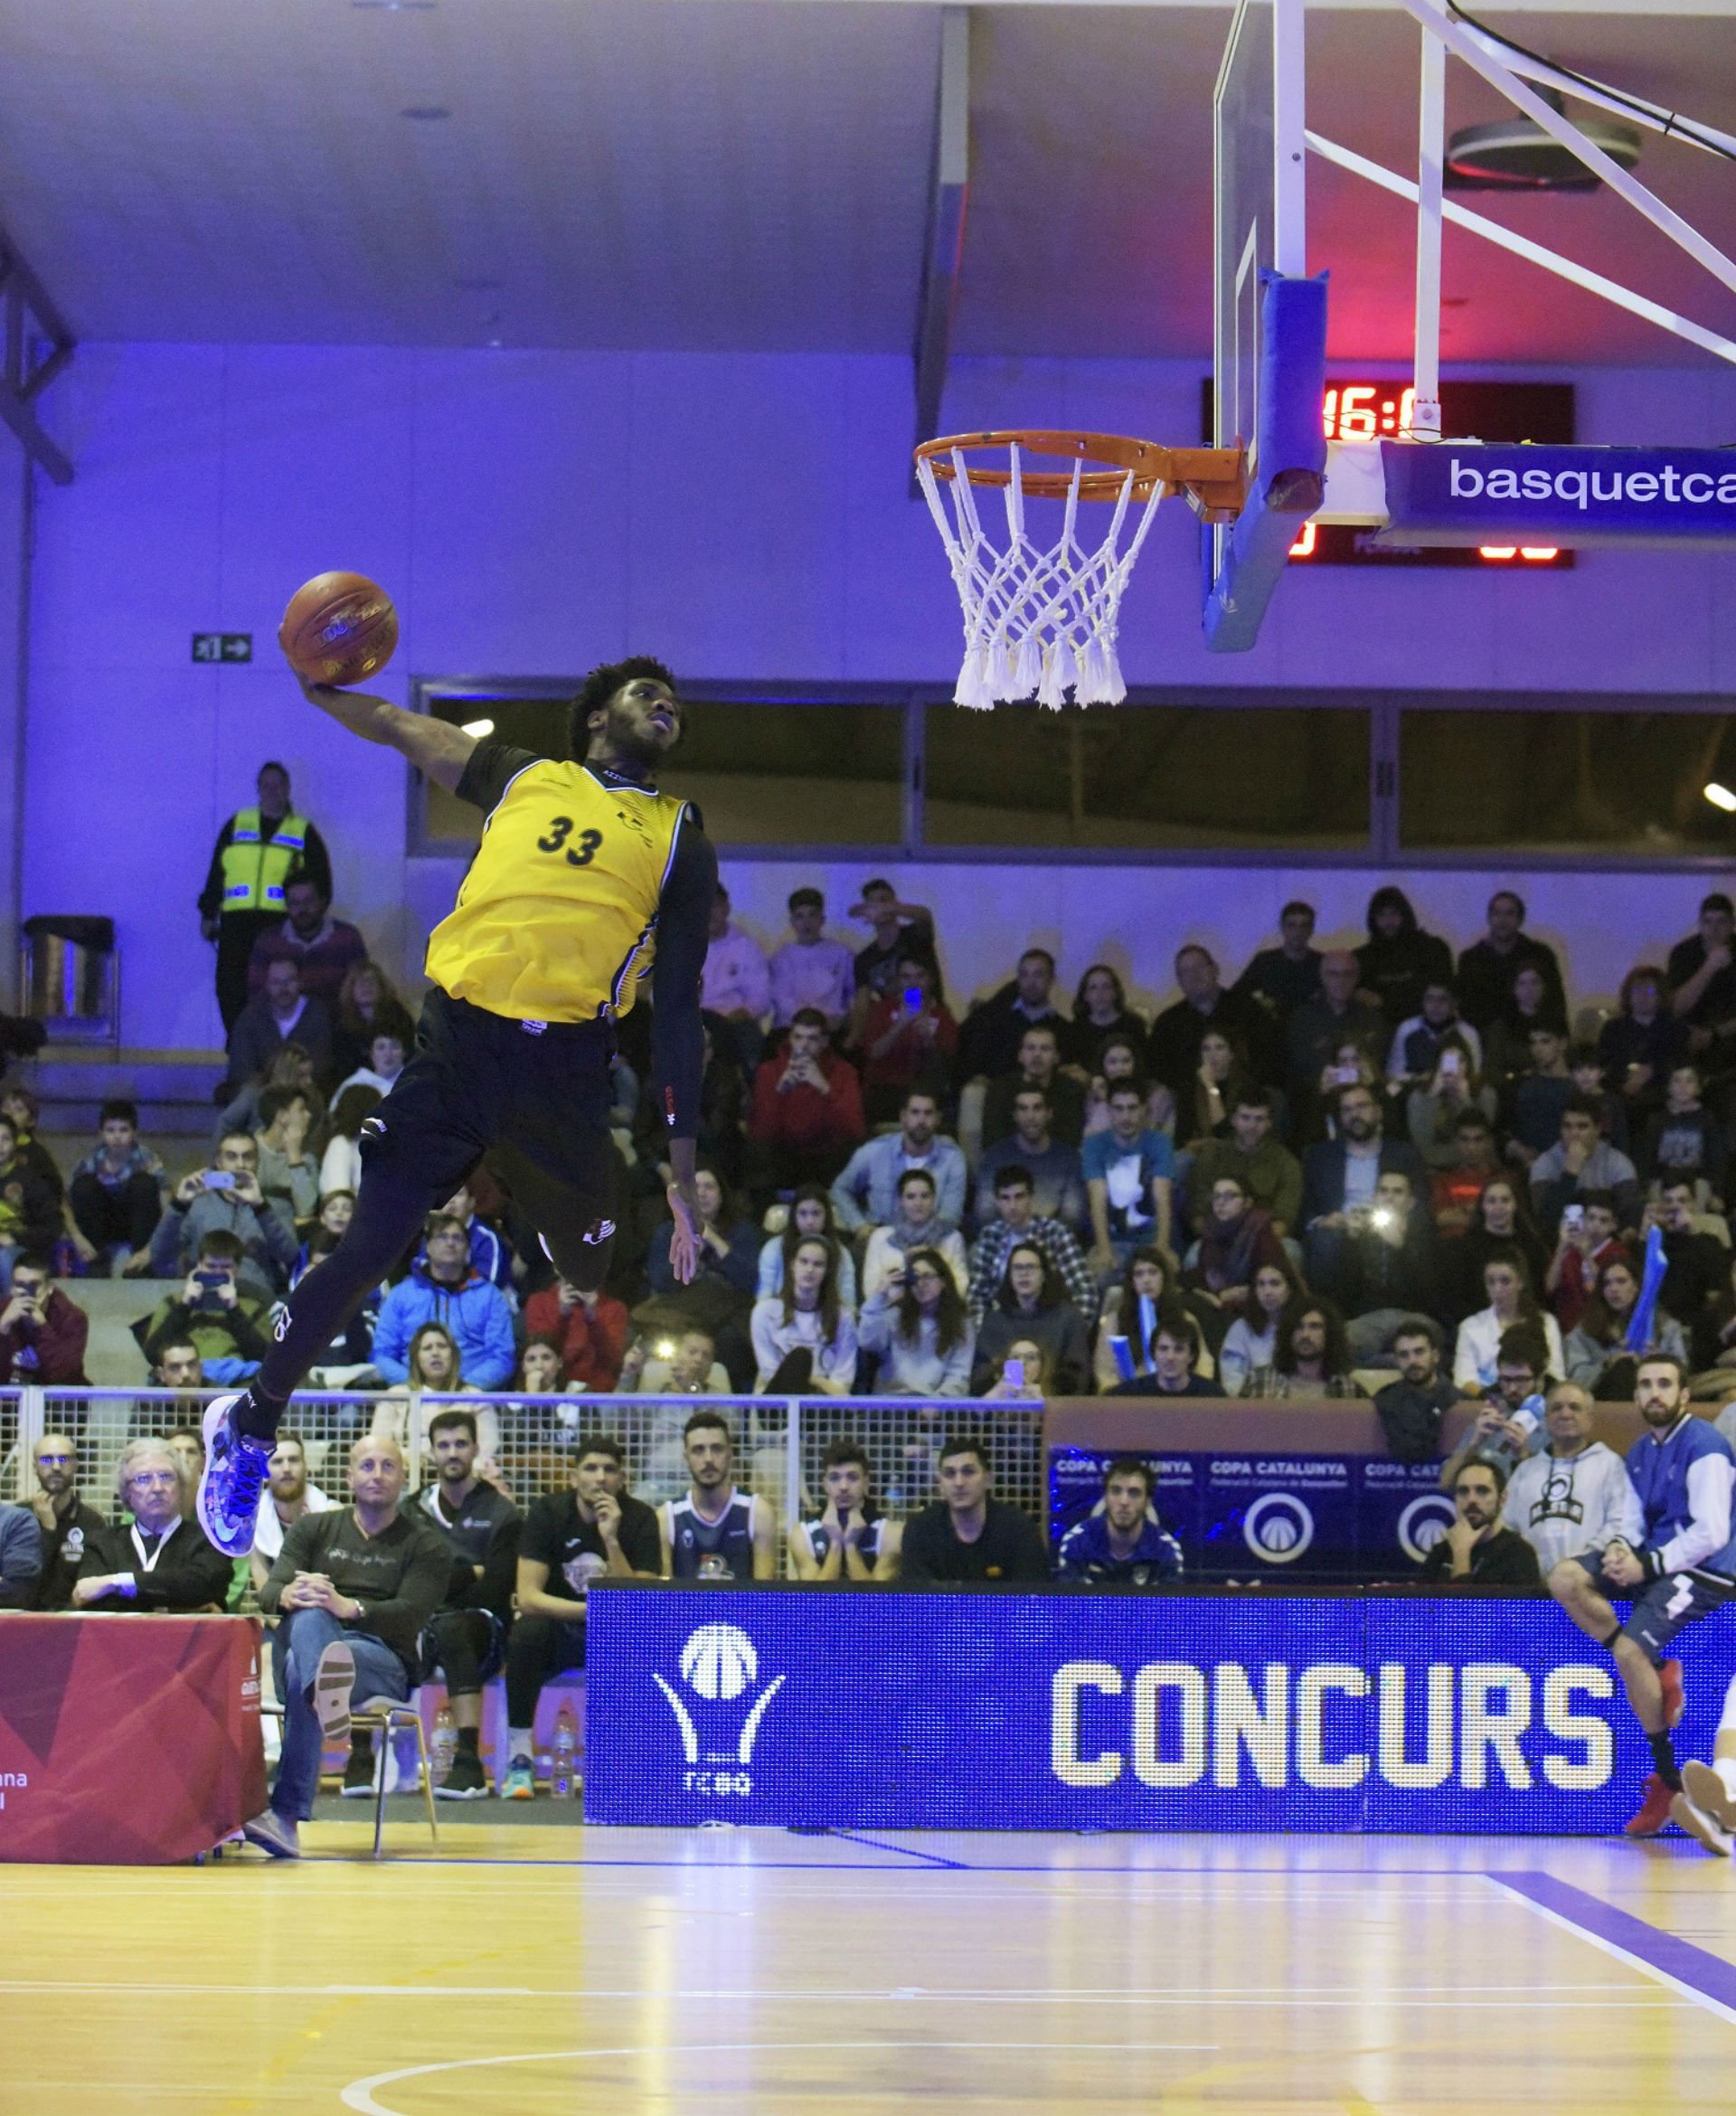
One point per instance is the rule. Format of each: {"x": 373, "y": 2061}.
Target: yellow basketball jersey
{"x": 557, "y": 918}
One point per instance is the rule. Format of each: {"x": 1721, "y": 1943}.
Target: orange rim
{"x": 1212, "y": 480}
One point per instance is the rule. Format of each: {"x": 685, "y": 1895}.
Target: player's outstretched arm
{"x": 437, "y": 748}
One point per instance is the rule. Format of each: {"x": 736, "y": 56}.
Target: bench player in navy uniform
{"x": 852, "y": 1539}
{"x": 587, "y": 881}
{"x": 466, "y": 1638}
{"x": 715, "y": 1533}
{"x": 1682, "y": 1568}
{"x": 1121, "y": 1542}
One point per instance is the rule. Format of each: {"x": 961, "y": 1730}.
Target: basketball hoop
{"x": 1039, "y": 622}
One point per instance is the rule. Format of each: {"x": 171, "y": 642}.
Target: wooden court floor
{"x": 533, "y": 1968}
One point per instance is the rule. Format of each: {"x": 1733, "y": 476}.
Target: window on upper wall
{"x": 1564, "y": 780}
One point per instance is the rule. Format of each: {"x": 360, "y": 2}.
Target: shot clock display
{"x": 1359, "y": 410}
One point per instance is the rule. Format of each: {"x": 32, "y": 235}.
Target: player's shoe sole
{"x": 1710, "y": 1794}
{"x": 1654, "y": 1809}
{"x": 230, "y": 1485}
{"x": 334, "y": 1681}
{"x": 1686, "y": 1814}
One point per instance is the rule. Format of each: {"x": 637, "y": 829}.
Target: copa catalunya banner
{"x": 1469, "y": 493}
{"x": 888, "y": 1708}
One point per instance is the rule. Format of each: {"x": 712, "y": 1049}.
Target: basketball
{"x": 719, "y": 1661}
{"x": 339, "y": 628}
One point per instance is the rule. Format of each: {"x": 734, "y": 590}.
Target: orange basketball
{"x": 339, "y": 628}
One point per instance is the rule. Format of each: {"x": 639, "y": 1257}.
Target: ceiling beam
{"x": 36, "y": 346}
{"x": 949, "y": 187}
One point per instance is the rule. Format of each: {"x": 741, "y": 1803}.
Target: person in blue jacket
{"x": 1122, "y": 1543}
{"x": 1683, "y": 1567}
{"x": 448, "y": 1288}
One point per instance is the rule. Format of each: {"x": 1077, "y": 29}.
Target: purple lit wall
{"x": 743, "y": 517}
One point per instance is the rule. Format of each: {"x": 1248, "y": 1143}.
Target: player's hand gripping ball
{"x": 339, "y": 628}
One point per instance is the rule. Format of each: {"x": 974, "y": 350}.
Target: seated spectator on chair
{"x": 804, "y": 1338}
{"x": 178, "y": 1365}
{"x": 807, "y": 1115}
{"x": 967, "y": 1534}
{"x": 354, "y": 1588}
{"x": 482, "y": 1208}
{"x": 1587, "y": 1070}
{"x": 1016, "y": 1221}
{"x": 808, "y": 969}
{"x": 18, "y": 1104}
{"x": 42, "y": 1334}
{"x": 992, "y": 1031}
{"x": 1588, "y": 1237}
{"x": 1683, "y": 1139}
{"x": 1598, "y": 1354}
{"x": 449, "y": 1288}
{"x": 685, "y": 1365}
{"x": 589, "y": 1330}
{"x": 434, "y": 1370}
{"x": 1057, "y": 1178}
{"x": 1270, "y": 1172}
{"x": 735, "y": 987}
{"x": 1100, "y": 1011}
{"x": 1287, "y": 976}
{"x": 1537, "y": 1098}
{"x": 1121, "y": 1058}
{"x": 281, "y": 1014}
{"x": 215, "y": 1310}
{"x": 1129, "y": 1174}
{"x": 1219, "y": 1080}
{"x": 1121, "y": 1542}
{"x": 1039, "y": 1067}
{"x": 1581, "y": 1162}
{"x": 30, "y": 1213}
{"x": 1486, "y": 968}
{"x": 1319, "y": 1031}
{"x": 1701, "y": 977}
{"x": 1435, "y": 1107}
{"x": 1411, "y": 1409}
{"x": 332, "y": 1222}
{"x": 1420, "y": 1039}
{"x": 1574, "y": 1497}
{"x": 21, "y": 1557}
{"x": 66, "y": 1522}
{"x": 226, "y": 1198}
{"x": 1252, "y": 1339}
{"x": 1499, "y": 1221}
{"x": 1025, "y": 1374}
{"x": 916, "y": 1324}
{"x": 851, "y": 1540}
{"x": 162, "y": 1560}
{"x": 596, "y": 1530}
{"x": 1175, "y": 1346}
{"x": 715, "y": 1532}
{"x": 866, "y": 1194}
{"x": 1511, "y": 1302}
{"x": 907, "y": 1039}
{"x": 1504, "y": 1430}
{"x": 340, "y": 1168}
{"x": 1642, "y": 1043}
{"x": 1478, "y": 1550}
{"x": 916, "y": 1226}
{"x": 1698, "y": 1266}
{"x": 324, "y": 950}
{"x": 720, "y": 1297}
{"x": 1392, "y": 1268}
{"x": 116, "y": 1196}
{"x": 1399, "y": 961}
{"x": 1339, "y": 1180}
{"x": 1149, "y": 1286}
{"x": 387, "y": 1053}
{"x": 466, "y": 1639}
{"x": 902, "y": 932}
{"x": 1235, "y": 1240}
{"x": 1458, "y": 1183}
{"x": 289, "y": 1493}
{"x": 811, "y": 1213}
{"x": 367, "y": 1002}
{"x": 1507, "y": 1048}
{"x": 1031, "y": 1301}
{"x": 289, "y": 1173}
{"x": 1172, "y": 1053}
{"x": 1312, "y": 1358}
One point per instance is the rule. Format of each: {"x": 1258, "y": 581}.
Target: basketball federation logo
{"x": 719, "y": 1668}
{"x": 1423, "y": 1523}
{"x": 1277, "y": 1528}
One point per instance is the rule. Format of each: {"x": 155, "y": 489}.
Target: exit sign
{"x": 214, "y": 646}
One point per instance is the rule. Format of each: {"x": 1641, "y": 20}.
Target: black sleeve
{"x": 916, "y": 1561}
{"x": 1029, "y": 1556}
{"x": 641, "y": 1544}
{"x": 493, "y": 764}
{"x": 683, "y": 935}
{"x": 211, "y": 897}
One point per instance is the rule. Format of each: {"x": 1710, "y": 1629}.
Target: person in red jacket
{"x": 807, "y": 1116}
{"x": 590, "y": 1331}
{"x": 42, "y": 1334}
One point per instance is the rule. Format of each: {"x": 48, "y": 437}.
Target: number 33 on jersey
{"x": 557, "y": 918}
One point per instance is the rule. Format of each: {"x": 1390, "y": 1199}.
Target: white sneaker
{"x": 1710, "y": 1794}
{"x": 1689, "y": 1816}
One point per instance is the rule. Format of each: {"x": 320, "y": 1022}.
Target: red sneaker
{"x": 1669, "y": 1675}
{"x": 1654, "y": 1810}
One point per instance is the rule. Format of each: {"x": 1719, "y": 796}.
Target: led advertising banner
{"x": 994, "y": 1709}
{"x": 1283, "y": 1516}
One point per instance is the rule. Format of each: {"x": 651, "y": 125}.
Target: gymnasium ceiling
{"x": 753, "y": 175}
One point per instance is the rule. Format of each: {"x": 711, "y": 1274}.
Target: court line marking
{"x": 359, "y": 2094}
{"x": 1705, "y": 1978}
{"x": 904, "y": 1851}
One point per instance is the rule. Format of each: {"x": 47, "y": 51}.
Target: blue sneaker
{"x": 234, "y": 1475}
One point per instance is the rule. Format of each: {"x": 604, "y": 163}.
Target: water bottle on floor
{"x": 444, "y": 1746}
{"x": 564, "y": 1754}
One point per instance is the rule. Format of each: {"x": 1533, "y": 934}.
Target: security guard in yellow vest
{"x": 255, "y": 853}
{"x": 588, "y": 883}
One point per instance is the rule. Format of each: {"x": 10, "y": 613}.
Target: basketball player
{"x": 716, "y": 1532}
{"x": 851, "y": 1539}
{"x": 586, "y": 880}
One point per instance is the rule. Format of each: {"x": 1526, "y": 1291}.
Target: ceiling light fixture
{"x": 1720, "y": 797}
{"x": 397, "y": 6}
{"x": 486, "y": 727}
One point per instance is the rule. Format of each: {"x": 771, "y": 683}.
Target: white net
{"x": 1038, "y": 621}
